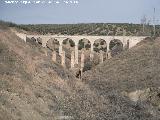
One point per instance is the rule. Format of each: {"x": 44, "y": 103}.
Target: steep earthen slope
{"x": 34, "y": 88}
{"x": 134, "y": 73}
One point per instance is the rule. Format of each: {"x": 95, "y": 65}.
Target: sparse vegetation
{"x": 34, "y": 87}
{"x": 93, "y": 29}
{"x": 81, "y": 45}
{"x": 72, "y": 44}
{"x": 87, "y": 46}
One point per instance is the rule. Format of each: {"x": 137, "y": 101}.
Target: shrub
{"x": 72, "y": 44}
{"x": 80, "y": 45}
{"x": 87, "y": 46}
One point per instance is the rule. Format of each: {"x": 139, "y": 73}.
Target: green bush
{"x": 80, "y": 45}
{"x": 72, "y": 44}
{"x": 96, "y": 44}
{"x": 96, "y": 49}
{"x": 87, "y": 46}
{"x": 102, "y": 42}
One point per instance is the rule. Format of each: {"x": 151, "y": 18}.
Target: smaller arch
{"x": 115, "y": 46}
{"x": 31, "y": 40}
{"x": 68, "y": 42}
{"x": 68, "y": 45}
{"x": 84, "y": 44}
{"x": 53, "y": 44}
{"x": 100, "y": 45}
{"x": 39, "y": 40}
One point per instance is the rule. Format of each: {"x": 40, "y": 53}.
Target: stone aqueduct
{"x": 130, "y": 40}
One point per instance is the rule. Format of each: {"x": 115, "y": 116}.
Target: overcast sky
{"x": 86, "y": 11}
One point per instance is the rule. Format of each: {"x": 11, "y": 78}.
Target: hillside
{"x": 34, "y": 87}
{"x": 30, "y": 82}
{"x": 136, "y": 68}
{"x": 134, "y": 73}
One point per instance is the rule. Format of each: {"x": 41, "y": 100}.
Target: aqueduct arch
{"x": 68, "y": 46}
{"x": 68, "y": 43}
{"x": 34, "y": 39}
{"x": 84, "y": 44}
{"x": 128, "y": 41}
{"x": 53, "y": 44}
{"x": 100, "y": 45}
{"x": 116, "y": 46}
{"x": 115, "y": 42}
{"x": 39, "y": 40}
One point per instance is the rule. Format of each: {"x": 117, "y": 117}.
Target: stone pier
{"x": 82, "y": 60}
{"x": 127, "y": 44}
{"x": 91, "y": 56}
{"x": 107, "y": 47}
{"x": 72, "y": 59}
{"x": 92, "y": 52}
{"x": 54, "y": 56}
{"x": 101, "y": 57}
{"x": 76, "y": 52}
{"x": 109, "y": 55}
{"x": 63, "y": 60}
{"x": 60, "y": 47}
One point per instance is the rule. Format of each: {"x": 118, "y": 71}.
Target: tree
{"x": 144, "y": 22}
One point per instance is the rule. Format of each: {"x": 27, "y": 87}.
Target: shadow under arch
{"x": 100, "y": 45}
{"x": 115, "y": 47}
{"x": 68, "y": 45}
{"x": 53, "y": 44}
{"x": 84, "y": 47}
{"x": 39, "y": 40}
{"x": 31, "y": 40}
{"x": 84, "y": 44}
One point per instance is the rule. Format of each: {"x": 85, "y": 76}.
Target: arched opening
{"x": 68, "y": 44}
{"x": 115, "y": 46}
{"x": 84, "y": 44}
{"x": 39, "y": 40}
{"x": 100, "y": 45}
{"x": 53, "y": 44}
{"x": 31, "y": 40}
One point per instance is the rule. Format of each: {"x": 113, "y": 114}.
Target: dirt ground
{"x": 33, "y": 87}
